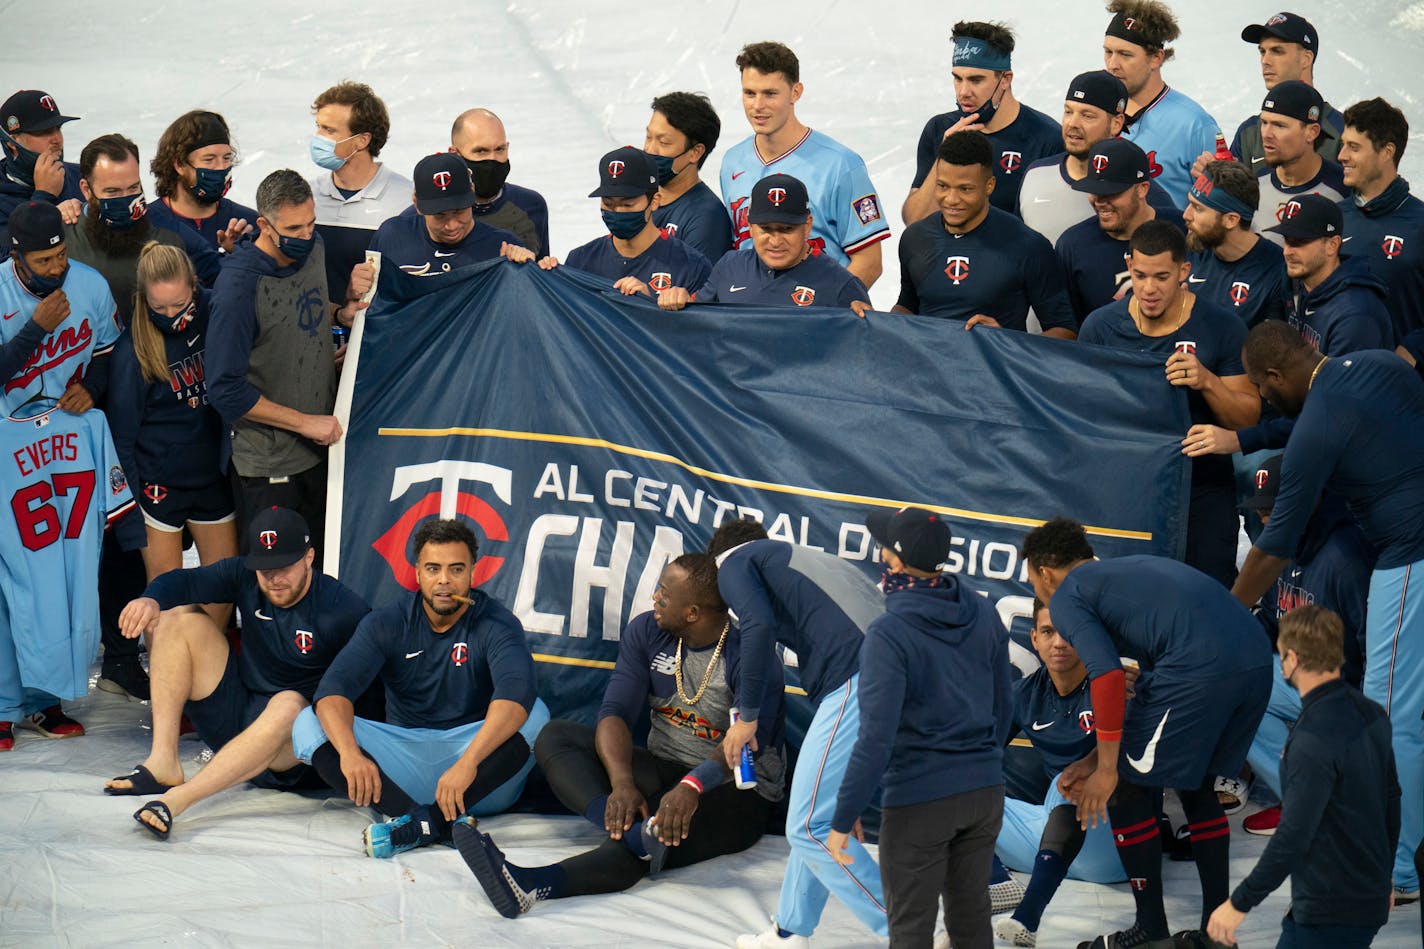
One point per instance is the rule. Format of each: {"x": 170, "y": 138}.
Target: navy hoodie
{"x": 1345, "y": 313}
{"x": 936, "y": 701}
{"x": 1388, "y": 233}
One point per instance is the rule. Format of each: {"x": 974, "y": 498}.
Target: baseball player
{"x": 1232, "y": 267}
{"x": 1290, "y": 126}
{"x": 681, "y": 134}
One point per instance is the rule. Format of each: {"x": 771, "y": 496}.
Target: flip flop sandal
{"x": 141, "y": 783}
{"x": 161, "y": 811}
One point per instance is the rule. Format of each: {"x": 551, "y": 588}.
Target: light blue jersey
{"x": 845, "y": 209}
{"x": 1173, "y": 130}
{"x": 63, "y": 485}
{"x": 63, "y": 355}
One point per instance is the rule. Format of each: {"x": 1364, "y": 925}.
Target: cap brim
{"x": 272, "y": 561}
{"x": 45, "y": 125}
{"x": 1286, "y": 229}
{"x": 1257, "y": 502}
{"x": 620, "y": 191}
{"x": 452, "y": 202}
{"x": 777, "y": 217}
{"x": 1255, "y": 33}
{"x": 1101, "y": 186}
{"x": 878, "y": 523}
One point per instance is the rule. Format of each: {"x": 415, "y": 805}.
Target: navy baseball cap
{"x": 442, "y": 183}
{"x": 1295, "y": 100}
{"x": 276, "y": 538}
{"x": 920, "y": 538}
{"x": 626, "y": 172}
{"x": 1309, "y": 217}
{"x": 1114, "y": 165}
{"x": 779, "y": 199}
{"x": 1100, "y": 89}
{"x": 36, "y": 225}
{"x": 1268, "y": 482}
{"x": 1291, "y": 27}
{"x": 30, "y": 110}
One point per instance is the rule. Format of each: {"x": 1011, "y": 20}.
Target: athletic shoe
{"x": 398, "y": 835}
{"x": 1403, "y": 897}
{"x": 1263, "y": 823}
{"x": 1131, "y": 938}
{"x": 1005, "y": 897}
{"x": 1232, "y": 793}
{"x": 487, "y": 863}
{"x": 1015, "y": 933}
{"x": 125, "y": 677}
{"x": 53, "y": 723}
{"x": 1196, "y": 939}
{"x": 7, "y": 736}
{"x": 771, "y": 938}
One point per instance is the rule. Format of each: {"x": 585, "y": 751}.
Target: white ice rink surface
{"x": 571, "y": 80}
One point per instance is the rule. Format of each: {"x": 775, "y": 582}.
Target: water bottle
{"x": 746, "y": 771}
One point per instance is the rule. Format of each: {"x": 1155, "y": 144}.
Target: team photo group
{"x": 171, "y": 363}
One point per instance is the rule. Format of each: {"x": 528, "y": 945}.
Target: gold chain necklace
{"x": 706, "y": 676}
{"x": 1311, "y": 383}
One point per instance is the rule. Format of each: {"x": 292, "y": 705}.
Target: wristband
{"x": 692, "y": 782}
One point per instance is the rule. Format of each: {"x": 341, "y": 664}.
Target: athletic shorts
{"x": 168, "y": 509}
{"x": 228, "y": 711}
{"x": 1180, "y": 732}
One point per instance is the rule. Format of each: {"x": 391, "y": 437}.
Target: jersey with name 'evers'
{"x": 405, "y": 241}
{"x": 668, "y": 262}
{"x": 62, "y": 355}
{"x": 63, "y": 485}
{"x": 740, "y": 277}
{"x": 1254, "y": 287}
{"x": 281, "y": 648}
{"x": 1000, "y": 269}
{"x": 1028, "y": 138}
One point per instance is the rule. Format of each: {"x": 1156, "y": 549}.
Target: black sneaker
{"x": 125, "y": 677}
{"x": 53, "y": 723}
{"x": 1130, "y": 938}
{"x": 1196, "y": 939}
{"x": 487, "y": 863}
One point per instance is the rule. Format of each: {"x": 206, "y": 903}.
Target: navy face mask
{"x": 40, "y": 286}
{"x": 987, "y": 110}
{"x": 19, "y": 160}
{"x": 297, "y": 248}
{"x": 122, "y": 212}
{"x": 625, "y": 225}
{"x": 169, "y": 325}
{"x": 211, "y": 185}
{"x": 666, "y": 172}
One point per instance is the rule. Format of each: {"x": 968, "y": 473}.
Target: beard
{"x": 116, "y": 243}
{"x": 450, "y": 610}
{"x": 1210, "y": 240}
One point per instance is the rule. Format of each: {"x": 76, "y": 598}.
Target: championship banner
{"x": 589, "y": 438}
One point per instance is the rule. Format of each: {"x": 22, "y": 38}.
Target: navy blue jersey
{"x": 1388, "y": 233}
{"x": 668, "y": 262}
{"x": 699, "y": 219}
{"x": 1255, "y": 287}
{"x": 1029, "y": 137}
{"x": 812, "y": 602}
{"x": 165, "y": 432}
{"x": 281, "y": 648}
{"x": 740, "y": 277}
{"x": 1095, "y": 264}
{"x": 436, "y": 680}
{"x": 1328, "y": 182}
{"x": 1172, "y": 619}
{"x": 405, "y": 242}
{"x": 1358, "y": 435}
{"x": 1060, "y": 726}
{"x": 1000, "y": 269}
{"x": 1344, "y": 313}
{"x": 161, "y": 213}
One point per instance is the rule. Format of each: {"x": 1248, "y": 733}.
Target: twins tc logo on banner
{"x": 446, "y": 501}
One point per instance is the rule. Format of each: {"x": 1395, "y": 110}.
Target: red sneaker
{"x": 1263, "y": 823}
{"x": 53, "y": 723}
{"x": 7, "y": 736}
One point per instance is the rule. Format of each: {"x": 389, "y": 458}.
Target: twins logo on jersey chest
{"x": 311, "y": 311}
{"x": 803, "y": 296}
{"x": 1239, "y": 291}
{"x": 956, "y": 269}
{"x": 1011, "y": 161}
{"x": 305, "y": 641}
{"x": 1085, "y": 721}
{"x": 1392, "y": 245}
{"x": 660, "y": 281}
{"x": 460, "y": 654}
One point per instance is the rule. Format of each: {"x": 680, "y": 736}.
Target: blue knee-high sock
{"x": 595, "y": 811}
{"x": 1049, "y": 869}
{"x": 550, "y": 879}
{"x": 632, "y": 838}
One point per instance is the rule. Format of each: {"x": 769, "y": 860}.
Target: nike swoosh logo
{"x": 1343, "y": 240}
{"x": 1257, "y": 161}
{"x": 735, "y": 289}
{"x": 445, "y": 253}
{"x": 412, "y": 655}
{"x": 8, "y": 315}
{"x": 1144, "y": 764}
{"x": 1295, "y": 572}
{"x": 1196, "y": 280}
{"x": 1038, "y": 728}
{"x": 1309, "y": 312}
{"x": 193, "y": 342}
{"x": 737, "y": 174}
{"x": 258, "y": 614}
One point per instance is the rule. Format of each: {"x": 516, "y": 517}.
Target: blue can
{"x": 340, "y": 335}
{"x": 746, "y": 771}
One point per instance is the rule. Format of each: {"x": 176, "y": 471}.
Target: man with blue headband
{"x": 984, "y": 94}
{"x": 1232, "y": 266}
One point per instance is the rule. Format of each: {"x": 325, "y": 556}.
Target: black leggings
{"x": 727, "y": 820}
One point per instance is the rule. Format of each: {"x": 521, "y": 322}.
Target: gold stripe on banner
{"x": 605, "y": 664}
{"x": 734, "y": 479}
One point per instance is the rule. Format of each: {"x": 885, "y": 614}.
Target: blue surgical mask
{"x": 625, "y": 225}
{"x": 297, "y": 248}
{"x": 323, "y": 152}
{"x": 211, "y": 185}
{"x": 122, "y": 212}
{"x": 666, "y": 172}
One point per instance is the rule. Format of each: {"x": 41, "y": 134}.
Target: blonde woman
{"x": 168, "y": 437}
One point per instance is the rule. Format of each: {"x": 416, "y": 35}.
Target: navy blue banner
{"x": 589, "y": 438}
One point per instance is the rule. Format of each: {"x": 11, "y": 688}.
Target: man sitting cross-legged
{"x": 295, "y": 621}
{"x": 670, "y": 804}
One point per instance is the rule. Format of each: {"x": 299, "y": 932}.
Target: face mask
{"x": 666, "y": 172}
{"x": 211, "y": 185}
{"x": 323, "y": 152}
{"x": 41, "y": 286}
{"x": 488, "y": 176}
{"x": 296, "y": 248}
{"x": 625, "y": 225}
{"x": 19, "y": 160}
{"x": 987, "y": 110}
{"x": 122, "y": 212}
{"x": 174, "y": 324}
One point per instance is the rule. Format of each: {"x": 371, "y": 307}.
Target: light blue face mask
{"x": 323, "y": 152}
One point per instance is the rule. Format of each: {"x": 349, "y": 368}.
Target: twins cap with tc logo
{"x": 442, "y": 183}
{"x": 1114, "y": 165}
{"x": 779, "y": 199}
{"x": 30, "y": 110}
{"x": 1308, "y": 218}
{"x": 1291, "y": 27}
{"x": 920, "y": 538}
{"x": 626, "y": 172}
{"x": 1268, "y": 482}
{"x": 276, "y": 538}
